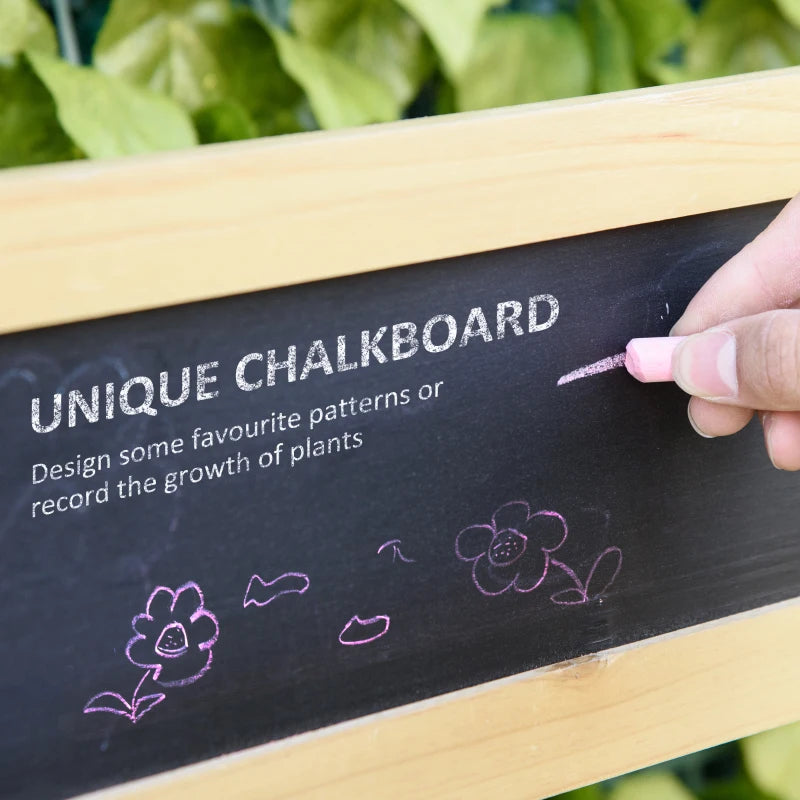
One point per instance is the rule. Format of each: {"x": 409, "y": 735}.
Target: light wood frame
{"x": 87, "y": 240}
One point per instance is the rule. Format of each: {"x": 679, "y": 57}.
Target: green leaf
{"x": 167, "y": 46}
{"x": 107, "y": 117}
{"x": 610, "y": 44}
{"x": 376, "y": 35}
{"x": 656, "y": 27}
{"x": 587, "y": 793}
{"x": 772, "y": 760}
{"x": 524, "y": 58}
{"x": 736, "y": 789}
{"x": 29, "y": 129}
{"x": 225, "y": 121}
{"x": 735, "y": 36}
{"x": 453, "y": 31}
{"x": 650, "y": 785}
{"x": 341, "y": 94}
{"x": 791, "y": 10}
{"x": 24, "y": 26}
{"x": 255, "y": 80}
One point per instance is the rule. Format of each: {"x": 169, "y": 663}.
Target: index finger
{"x": 763, "y": 276}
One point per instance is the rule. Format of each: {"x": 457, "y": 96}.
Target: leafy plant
{"x": 760, "y": 767}
{"x": 161, "y": 74}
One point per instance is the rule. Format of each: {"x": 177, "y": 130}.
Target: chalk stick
{"x": 650, "y": 360}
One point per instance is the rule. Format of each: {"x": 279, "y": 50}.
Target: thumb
{"x": 752, "y": 362}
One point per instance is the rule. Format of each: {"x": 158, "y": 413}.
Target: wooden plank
{"x": 533, "y": 735}
{"x": 87, "y": 239}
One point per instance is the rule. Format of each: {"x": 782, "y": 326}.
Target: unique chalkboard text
{"x": 257, "y": 370}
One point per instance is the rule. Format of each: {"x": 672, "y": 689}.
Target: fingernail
{"x": 766, "y": 421}
{"x": 694, "y": 425}
{"x": 704, "y": 365}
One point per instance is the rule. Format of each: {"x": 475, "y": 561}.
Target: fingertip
{"x": 782, "y": 439}
{"x": 679, "y": 328}
{"x": 711, "y": 420}
{"x": 695, "y": 427}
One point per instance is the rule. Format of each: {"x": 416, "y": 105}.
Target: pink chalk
{"x": 650, "y": 360}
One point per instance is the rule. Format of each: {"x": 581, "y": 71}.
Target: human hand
{"x": 746, "y": 354}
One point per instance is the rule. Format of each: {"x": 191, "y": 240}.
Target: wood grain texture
{"x": 87, "y": 239}
{"x": 533, "y": 735}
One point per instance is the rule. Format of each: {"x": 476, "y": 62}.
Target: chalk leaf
{"x": 145, "y": 704}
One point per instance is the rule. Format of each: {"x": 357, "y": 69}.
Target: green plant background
{"x": 133, "y": 76}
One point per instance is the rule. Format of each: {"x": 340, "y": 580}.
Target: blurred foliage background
{"x": 93, "y": 79}
{"x": 89, "y": 78}
{"x": 762, "y": 767}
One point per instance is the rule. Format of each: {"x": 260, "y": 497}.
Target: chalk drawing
{"x": 363, "y": 631}
{"x": 173, "y": 644}
{"x": 395, "y": 545}
{"x": 261, "y": 593}
{"x": 602, "y": 574}
{"x": 515, "y": 551}
{"x": 604, "y": 365}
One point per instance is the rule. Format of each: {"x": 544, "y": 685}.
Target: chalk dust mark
{"x": 604, "y": 365}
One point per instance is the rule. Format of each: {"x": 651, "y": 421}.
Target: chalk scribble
{"x": 395, "y": 545}
{"x": 604, "y": 365}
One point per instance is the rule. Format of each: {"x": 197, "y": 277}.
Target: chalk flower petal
{"x": 490, "y": 580}
{"x": 159, "y": 603}
{"x": 547, "y": 530}
{"x": 511, "y": 515}
{"x": 473, "y": 541}
{"x": 188, "y": 599}
{"x": 535, "y": 570}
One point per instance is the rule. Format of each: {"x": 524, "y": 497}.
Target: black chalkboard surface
{"x": 228, "y": 522}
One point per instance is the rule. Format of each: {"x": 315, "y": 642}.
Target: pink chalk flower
{"x": 513, "y": 551}
{"x": 173, "y": 643}
{"x": 175, "y": 636}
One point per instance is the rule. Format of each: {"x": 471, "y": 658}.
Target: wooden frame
{"x": 87, "y": 240}
{"x": 90, "y": 239}
{"x": 532, "y": 735}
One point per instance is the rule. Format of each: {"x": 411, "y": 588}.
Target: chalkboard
{"x": 228, "y": 522}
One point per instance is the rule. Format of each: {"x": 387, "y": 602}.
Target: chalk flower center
{"x": 506, "y": 547}
{"x": 173, "y": 641}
